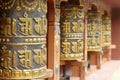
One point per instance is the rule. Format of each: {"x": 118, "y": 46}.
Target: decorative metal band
{"x": 106, "y": 31}
{"x": 23, "y": 29}
{"x": 71, "y": 56}
{"x": 94, "y": 31}
{"x": 22, "y": 74}
{"x": 72, "y": 29}
{"x": 27, "y": 5}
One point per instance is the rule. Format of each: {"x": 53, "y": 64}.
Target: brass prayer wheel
{"x": 106, "y": 30}
{"x": 23, "y": 29}
{"x": 94, "y": 31}
{"x": 72, "y": 31}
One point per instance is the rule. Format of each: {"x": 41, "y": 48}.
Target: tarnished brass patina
{"x": 72, "y": 30}
{"x": 106, "y": 31}
{"x": 23, "y": 28}
{"x": 94, "y": 31}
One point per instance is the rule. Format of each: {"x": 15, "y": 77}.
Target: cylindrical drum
{"x": 106, "y": 30}
{"x": 23, "y": 28}
{"x": 72, "y": 31}
{"x": 94, "y": 31}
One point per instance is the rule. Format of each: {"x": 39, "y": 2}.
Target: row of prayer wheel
{"x": 23, "y": 30}
{"x": 72, "y": 23}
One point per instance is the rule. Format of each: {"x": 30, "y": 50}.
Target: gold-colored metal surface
{"x": 72, "y": 31}
{"x": 27, "y": 5}
{"x": 106, "y": 31}
{"x": 94, "y": 31}
{"x": 23, "y": 29}
{"x": 24, "y": 74}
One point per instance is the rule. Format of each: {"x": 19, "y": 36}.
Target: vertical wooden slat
{"x": 53, "y": 55}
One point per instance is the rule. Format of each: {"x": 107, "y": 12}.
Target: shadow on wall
{"x": 116, "y": 33}
{"x": 115, "y": 13}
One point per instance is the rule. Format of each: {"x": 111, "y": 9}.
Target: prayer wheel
{"x": 23, "y": 29}
{"x": 94, "y": 31}
{"x": 106, "y": 31}
{"x": 72, "y": 31}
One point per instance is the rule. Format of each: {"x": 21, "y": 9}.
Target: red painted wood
{"x": 116, "y": 34}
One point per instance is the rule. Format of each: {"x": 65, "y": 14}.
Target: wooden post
{"x": 82, "y": 71}
{"x": 53, "y": 41}
{"x": 99, "y": 59}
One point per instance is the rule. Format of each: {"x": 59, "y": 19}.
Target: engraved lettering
{"x": 77, "y": 46}
{"x": 39, "y": 56}
{"x": 39, "y": 27}
{"x": 14, "y": 60}
{"x": 14, "y": 26}
{"x": 66, "y": 27}
{"x": 5, "y": 58}
{"x": 77, "y": 26}
{"x": 25, "y": 26}
{"x": 5, "y": 26}
{"x": 66, "y": 47}
{"x": 25, "y": 57}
